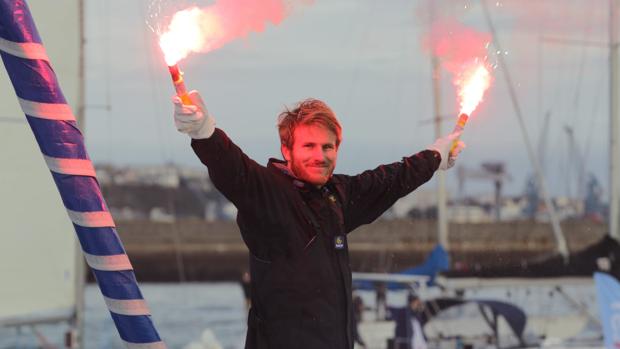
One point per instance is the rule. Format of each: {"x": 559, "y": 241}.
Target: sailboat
{"x": 41, "y": 265}
{"x": 561, "y": 282}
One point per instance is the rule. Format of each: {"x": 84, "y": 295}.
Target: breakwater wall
{"x": 195, "y": 250}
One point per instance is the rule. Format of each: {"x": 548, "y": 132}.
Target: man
{"x": 357, "y": 315}
{"x": 408, "y": 333}
{"x": 295, "y": 214}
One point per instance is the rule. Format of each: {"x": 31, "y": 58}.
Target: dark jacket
{"x": 296, "y": 234}
{"x": 403, "y": 332}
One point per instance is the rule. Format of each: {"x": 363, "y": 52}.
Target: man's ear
{"x": 286, "y": 152}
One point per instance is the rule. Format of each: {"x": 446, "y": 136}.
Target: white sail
{"x": 38, "y": 252}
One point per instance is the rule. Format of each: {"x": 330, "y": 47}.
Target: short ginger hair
{"x": 307, "y": 112}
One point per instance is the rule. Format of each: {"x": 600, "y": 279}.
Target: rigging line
{"x": 555, "y": 223}
{"x": 559, "y": 65}
{"x": 543, "y": 141}
{"x": 176, "y": 233}
{"x": 170, "y": 197}
{"x": 569, "y": 73}
{"x": 364, "y": 38}
{"x": 595, "y": 112}
{"x": 564, "y": 104}
{"x": 577, "y": 105}
{"x": 596, "y": 104}
{"x": 549, "y": 109}
{"x": 567, "y": 108}
{"x": 580, "y": 70}
{"x": 595, "y": 116}
{"x": 546, "y": 306}
{"x": 400, "y": 77}
{"x": 543, "y": 135}
{"x": 434, "y": 325}
{"x": 165, "y": 146}
{"x": 539, "y": 78}
{"x": 566, "y": 168}
{"x": 344, "y": 40}
{"x": 583, "y": 309}
{"x": 558, "y": 161}
{"x": 107, "y": 107}
{"x": 106, "y": 67}
{"x": 574, "y": 111}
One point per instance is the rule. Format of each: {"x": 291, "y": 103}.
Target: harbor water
{"x": 213, "y": 315}
{"x": 181, "y": 313}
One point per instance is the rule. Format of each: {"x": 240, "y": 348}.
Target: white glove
{"x": 446, "y": 148}
{"x": 193, "y": 119}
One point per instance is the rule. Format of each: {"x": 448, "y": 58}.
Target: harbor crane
{"x": 488, "y": 171}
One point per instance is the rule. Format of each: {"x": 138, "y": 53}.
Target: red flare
{"x": 179, "y": 84}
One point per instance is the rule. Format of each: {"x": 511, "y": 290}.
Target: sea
{"x": 187, "y": 316}
{"x": 213, "y": 315}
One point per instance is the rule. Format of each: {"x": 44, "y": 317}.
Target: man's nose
{"x": 319, "y": 154}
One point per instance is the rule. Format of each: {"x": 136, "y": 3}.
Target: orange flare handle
{"x": 179, "y": 84}
{"x": 459, "y": 127}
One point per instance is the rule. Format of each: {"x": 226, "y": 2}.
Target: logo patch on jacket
{"x": 339, "y": 242}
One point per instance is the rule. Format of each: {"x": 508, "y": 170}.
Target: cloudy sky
{"x": 365, "y": 58}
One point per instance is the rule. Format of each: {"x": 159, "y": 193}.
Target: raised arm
{"x": 373, "y": 192}
{"x": 233, "y": 173}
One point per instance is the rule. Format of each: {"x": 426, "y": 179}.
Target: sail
{"x": 608, "y": 294}
{"x": 38, "y": 251}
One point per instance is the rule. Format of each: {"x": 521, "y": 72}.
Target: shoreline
{"x": 195, "y": 250}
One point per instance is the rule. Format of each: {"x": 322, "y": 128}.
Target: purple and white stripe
{"x": 62, "y": 145}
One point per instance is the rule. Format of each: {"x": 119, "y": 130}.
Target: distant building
{"x": 168, "y": 192}
{"x": 161, "y": 193}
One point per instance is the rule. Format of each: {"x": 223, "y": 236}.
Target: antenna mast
{"x": 614, "y": 155}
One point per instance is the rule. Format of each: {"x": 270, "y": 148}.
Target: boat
{"x": 564, "y": 313}
{"x": 516, "y": 312}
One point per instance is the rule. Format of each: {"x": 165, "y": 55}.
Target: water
{"x": 181, "y": 313}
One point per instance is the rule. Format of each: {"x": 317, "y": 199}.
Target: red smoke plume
{"x": 209, "y": 28}
{"x": 463, "y": 52}
{"x": 455, "y": 44}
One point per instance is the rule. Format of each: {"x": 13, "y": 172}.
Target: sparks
{"x": 188, "y": 32}
{"x": 206, "y": 29}
{"x": 471, "y": 84}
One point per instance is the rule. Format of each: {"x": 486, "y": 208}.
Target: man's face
{"x": 314, "y": 154}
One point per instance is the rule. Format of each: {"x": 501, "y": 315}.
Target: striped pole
{"x": 64, "y": 152}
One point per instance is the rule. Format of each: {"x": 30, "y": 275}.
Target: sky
{"x": 366, "y": 59}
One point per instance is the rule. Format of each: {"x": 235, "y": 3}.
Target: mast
{"x": 614, "y": 154}
{"x": 442, "y": 214}
{"x": 77, "y": 337}
{"x": 555, "y": 222}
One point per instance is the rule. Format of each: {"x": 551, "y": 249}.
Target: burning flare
{"x": 471, "y": 84}
{"x": 463, "y": 53}
{"x": 188, "y": 32}
{"x": 205, "y": 29}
